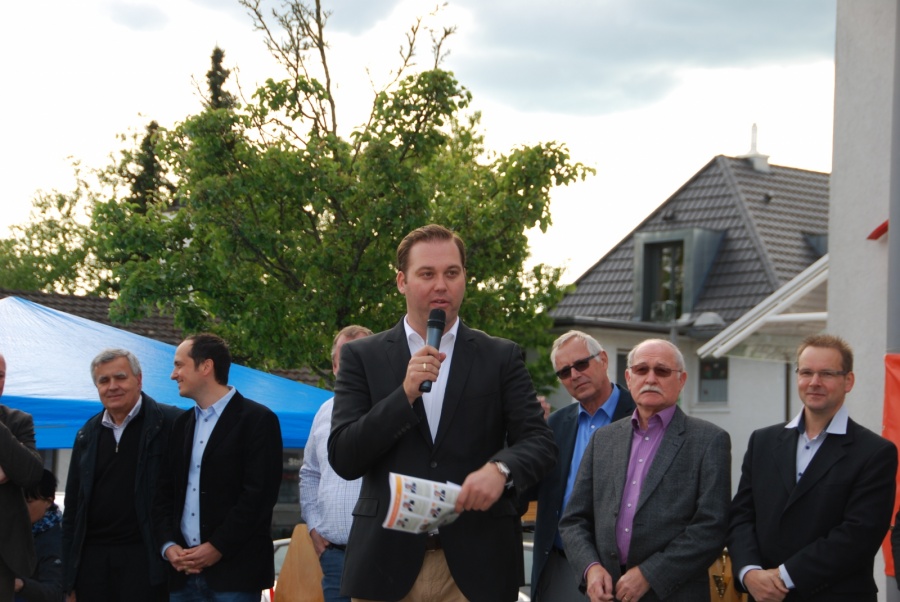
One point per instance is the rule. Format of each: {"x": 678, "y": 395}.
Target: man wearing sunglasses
{"x": 649, "y": 510}
{"x": 581, "y": 365}
{"x": 816, "y": 494}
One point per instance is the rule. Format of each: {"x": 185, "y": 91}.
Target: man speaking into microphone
{"x": 480, "y": 425}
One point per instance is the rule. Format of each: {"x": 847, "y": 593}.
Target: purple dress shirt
{"x": 644, "y": 445}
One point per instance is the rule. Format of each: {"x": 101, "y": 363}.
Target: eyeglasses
{"x": 807, "y": 374}
{"x": 659, "y": 371}
{"x": 580, "y": 365}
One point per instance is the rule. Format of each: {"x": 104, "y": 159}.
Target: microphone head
{"x": 437, "y": 319}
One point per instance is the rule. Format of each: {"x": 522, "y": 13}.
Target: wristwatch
{"x": 503, "y": 468}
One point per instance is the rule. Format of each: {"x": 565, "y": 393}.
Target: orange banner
{"x": 891, "y": 431}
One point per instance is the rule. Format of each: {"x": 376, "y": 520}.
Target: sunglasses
{"x": 580, "y": 365}
{"x": 659, "y": 371}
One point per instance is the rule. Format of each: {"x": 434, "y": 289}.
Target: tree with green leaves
{"x": 147, "y": 176}
{"x": 219, "y": 97}
{"x": 49, "y": 253}
{"x": 277, "y": 230}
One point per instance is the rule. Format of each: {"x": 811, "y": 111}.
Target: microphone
{"x": 437, "y": 319}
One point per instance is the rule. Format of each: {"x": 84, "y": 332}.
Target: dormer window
{"x": 663, "y": 281}
{"x": 670, "y": 268}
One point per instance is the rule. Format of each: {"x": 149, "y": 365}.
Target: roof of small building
{"x": 775, "y": 223}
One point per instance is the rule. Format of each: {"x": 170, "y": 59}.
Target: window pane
{"x": 713, "y": 380}
{"x": 663, "y": 281}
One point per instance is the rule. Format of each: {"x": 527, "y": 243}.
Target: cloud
{"x": 618, "y": 54}
{"x": 232, "y": 7}
{"x": 137, "y": 16}
{"x": 347, "y": 16}
{"x": 357, "y": 16}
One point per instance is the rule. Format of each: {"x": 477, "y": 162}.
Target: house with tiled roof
{"x": 736, "y": 233}
{"x": 727, "y": 239}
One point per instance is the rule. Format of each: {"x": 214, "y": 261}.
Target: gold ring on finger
{"x": 424, "y": 366}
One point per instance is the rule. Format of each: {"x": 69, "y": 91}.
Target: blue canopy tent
{"x": 48, "y": 355}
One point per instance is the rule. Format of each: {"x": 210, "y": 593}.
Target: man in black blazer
{"x": 223, "y": 471}
{"x": 20, "y": 467}
{"x": 816, "y": 494}
{"x": 582, "y": 366}
{"x": 481, "y": 426}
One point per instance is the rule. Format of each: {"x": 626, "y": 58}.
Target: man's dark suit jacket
{"x": 551, "y": 490}
{"x": 490, "y": 412}
{"x": 23, "y": 466}
{"x": 826, "y": 527}
{"x": 239, "y": 481}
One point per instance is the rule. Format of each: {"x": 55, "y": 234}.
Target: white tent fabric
{"x": 48, "y": 355}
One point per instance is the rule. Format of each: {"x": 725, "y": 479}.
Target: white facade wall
{"x": 860, "y": 187}
{"x": 756, "y": 398}
{"x": 857, "y": 271}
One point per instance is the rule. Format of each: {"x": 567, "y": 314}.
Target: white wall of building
{"x": 857, "y": 291}
{"x": 756, "y": 398}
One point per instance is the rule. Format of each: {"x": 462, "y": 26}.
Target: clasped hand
{"x": 765, "y": 585}
{"x": 192, "y": 561}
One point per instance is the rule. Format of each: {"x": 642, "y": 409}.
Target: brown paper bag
{"x": 301, "y": 574}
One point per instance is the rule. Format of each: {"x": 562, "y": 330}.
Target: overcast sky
{"x": 645, "y": 91}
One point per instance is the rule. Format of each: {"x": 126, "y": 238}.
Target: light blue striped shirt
{"x": 206, "y": 421}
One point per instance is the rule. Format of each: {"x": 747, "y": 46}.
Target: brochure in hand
{"x": 419, "y": 505}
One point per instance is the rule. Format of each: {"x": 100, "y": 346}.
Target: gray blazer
{"x": 682, "y": 515}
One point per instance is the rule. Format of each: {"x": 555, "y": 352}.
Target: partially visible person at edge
{"x": 327, "y": 500}
{"x": 108, "y": 549}
{"x": 213, "y": 507}
{"x": 20, "y": 467}
{"x": 582, "y": 366}
{"x": 480, "y": 426}
{"x": 45, "y": 584}
{"x": 649, "y": 511}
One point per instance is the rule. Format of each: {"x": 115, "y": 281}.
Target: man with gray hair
{"x": 582, "y": 367}
{"x": 108, "y": 550}
{"x": 649, "y": 510}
